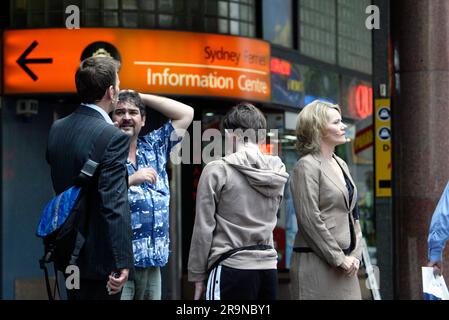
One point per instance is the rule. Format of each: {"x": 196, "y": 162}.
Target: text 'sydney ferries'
{"x": 161, "y": 62}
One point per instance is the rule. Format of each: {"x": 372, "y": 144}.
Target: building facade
{"x": 210, "y": 54}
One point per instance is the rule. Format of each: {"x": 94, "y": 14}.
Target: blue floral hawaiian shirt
{"x": 149, "y": 203}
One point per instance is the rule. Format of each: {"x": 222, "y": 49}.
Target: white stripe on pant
{"x": 213, "y": 284}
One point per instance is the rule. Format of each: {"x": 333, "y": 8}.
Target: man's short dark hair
{"x": 244, "y": 116}
{"x": 94, "y": 76}
{"x": 132, "y": 97}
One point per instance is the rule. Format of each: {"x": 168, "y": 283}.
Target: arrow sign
{"x": 23, "y": 61}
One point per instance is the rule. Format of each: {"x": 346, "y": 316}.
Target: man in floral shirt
{"x": 149, "y": 193}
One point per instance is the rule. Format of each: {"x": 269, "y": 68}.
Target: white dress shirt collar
{"x": 102, "y": 112}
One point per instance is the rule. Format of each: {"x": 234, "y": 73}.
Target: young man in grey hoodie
{"x": 237, "y": 200}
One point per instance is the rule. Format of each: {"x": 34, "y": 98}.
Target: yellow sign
{"x": 382, "y": 129}
{"x": 154, "y": 61}
{"x": 363, "y": 139}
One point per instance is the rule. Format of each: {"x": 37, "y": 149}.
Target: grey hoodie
{"x": 237, "y": 200}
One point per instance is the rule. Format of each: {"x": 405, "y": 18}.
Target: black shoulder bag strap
{"x": 84, "y": 179}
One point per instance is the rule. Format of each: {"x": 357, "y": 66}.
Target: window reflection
{"x": 235, "y": 17}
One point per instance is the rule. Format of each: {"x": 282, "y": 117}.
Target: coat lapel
{"x": 348, "y": 174}
{"x": 330, "y": 173}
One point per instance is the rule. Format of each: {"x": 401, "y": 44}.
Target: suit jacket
{"x": 323, "y": 208}
{"x": 71, "y": 140}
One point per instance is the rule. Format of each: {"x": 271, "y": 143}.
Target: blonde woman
{"x": 327, "y": 249}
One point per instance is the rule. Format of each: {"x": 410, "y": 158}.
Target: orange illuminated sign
{"x": 163, "y": 62}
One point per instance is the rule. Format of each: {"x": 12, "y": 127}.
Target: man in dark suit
{"x": 107, "y": 256}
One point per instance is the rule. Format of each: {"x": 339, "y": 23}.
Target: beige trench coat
{"x": 322, "y": 208}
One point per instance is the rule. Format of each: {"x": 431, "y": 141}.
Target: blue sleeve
{"x": 439, "y": 227}
{"x": 165, "y": 138}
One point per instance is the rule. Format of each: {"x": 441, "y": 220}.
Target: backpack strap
{"x": 229, "y": 253}
{"x": 43, "y": 266}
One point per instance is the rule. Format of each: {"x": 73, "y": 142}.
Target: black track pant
{"x": 227, "y": 283}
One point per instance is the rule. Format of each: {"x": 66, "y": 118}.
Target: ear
{"x": 110, "y": 91}
{"x": 143, "y": 121}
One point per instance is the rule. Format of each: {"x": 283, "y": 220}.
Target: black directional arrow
{"x": 23, "y": 61}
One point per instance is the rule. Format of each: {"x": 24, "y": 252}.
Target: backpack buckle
{"x": 89, "y": 168}
{"x": 86, "y": 173}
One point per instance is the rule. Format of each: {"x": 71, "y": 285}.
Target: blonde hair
{"x": 310, "y": 123}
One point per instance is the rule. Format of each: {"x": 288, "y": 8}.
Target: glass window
{"x": 166, "y": 5}
{"x": 55, "y": 19}
{"x": 317, "y": 29}
{"x": 319, "y": 84}
{"x": 147, "y": 5}
{"x": 110, "y": 19}
{"x": 36, "y": 19}
{"x": 223, "y": 9}
{"x": 92, "y": 18}
{"x": 235, "y": 27}
{"x": 129, "y": 4}
{"x": 211, "y": 25}
{"x": 277, "y": 28}
{"x": 147, "y": 20}
{"x": 110, "y": 4}
{"x": 72, "y": 2}
{"x": 234, "y": 17}
{"x": 211, "y": 8}
{"x": 130, "y": 19}
{"x": 244, "y": 12}
{"x": 54, "y": 5}
{"x": 244, "y": 29}
{"x": 93, "y": 5}
{"x": 20, "y": 19}
{"x": 165, "y": 20}
{"x": 223, "y": 26}
{"x": 195, "y": 15}
{"x": 354, "y": 39}
{"x": 20, "y": 4}
{"x": 234, "y": 10}
{"x": 38, "y": 5}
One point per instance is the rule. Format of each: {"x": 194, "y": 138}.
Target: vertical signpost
{"x": 382, "y": 127}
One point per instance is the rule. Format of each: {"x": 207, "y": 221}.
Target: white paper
{"x": 434, "y": 285}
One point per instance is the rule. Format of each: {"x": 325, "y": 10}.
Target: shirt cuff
{"x": 194, "y": 277}
{"x": 435, "y": 254}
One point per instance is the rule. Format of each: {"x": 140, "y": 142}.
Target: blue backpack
{"x": 63, "y": 222}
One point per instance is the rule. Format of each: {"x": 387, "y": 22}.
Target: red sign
{"x": 280, "y": 66}
{"x": 361, "y": 101}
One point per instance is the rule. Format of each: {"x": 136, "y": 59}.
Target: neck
{"x": 132, "y": 148}
{"x": 327, "y": 151}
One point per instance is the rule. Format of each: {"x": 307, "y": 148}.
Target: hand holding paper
{"x": 434, "y": 287}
